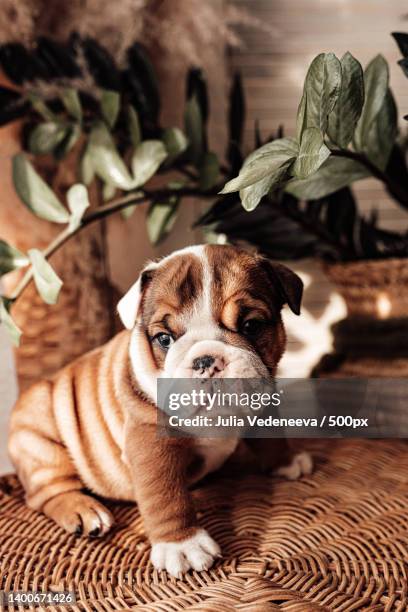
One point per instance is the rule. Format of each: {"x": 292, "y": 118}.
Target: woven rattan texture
{"x": 361, "y": 283}
{"x": 337, "y": 540}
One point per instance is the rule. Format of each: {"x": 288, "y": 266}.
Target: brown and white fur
{"x": 93, "y": 425}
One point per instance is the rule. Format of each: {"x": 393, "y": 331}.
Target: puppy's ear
{"x": 288, "y": 284}
{"x": 129, "y": 306}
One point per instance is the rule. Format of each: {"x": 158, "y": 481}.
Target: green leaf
{"x": 134, "y": 127}
{"x": 401, "y": 38}
{"x": 322, "y": 88}
{"x": 72, "y": 103}
{"x": 281, "y": 146}
{"x": 147, "y": 158}
{"x": 196, "y": 85}
{"x": 346, "y": 113}
{"x": 376, "y": 78}
{"x": 11, "y": 258}
{"x": 45, "y": 137}
{"x": 7, "y": 321}
{"x": 301, "y": 118}
{"x": 78, "y": 202}
{"x": 252, "y": 195}
{"x": 108, "y": 192}
{"x": 46, "y": 280}
{"x": 128, "y": 212}
{"x": 110, "y": 105}
{"x": 194, "y": 130}
{"x": 236, "y": 111}
{"x": 67, "y": 144}
{"x": 334, "y": 174}
{"x": 209, "y": 171}
{"x": 236, "y": 121}
{"x": 87, "y": 170}
{"x": 144, "y": 81}
{"x": 265, "y": 161}
{"x": 35, "y": 193}
{"x": 283, "y": 152}
{"x": 175, "y": 142}
{"x": 312, "y": 154}
{"x": 105, "y": 159}
{"x": 382, "y": 134}
{"x": 40, "y": 107}
{"x": 160, "y": 219}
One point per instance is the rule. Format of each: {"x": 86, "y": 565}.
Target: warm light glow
{"x": 222, "y": 239}
{"x": 383, "y": 306}
{"x": 313, "y": 334}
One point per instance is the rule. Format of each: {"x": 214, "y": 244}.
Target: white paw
{"x": 301, "y": 464}
{"x": 197, "y": 553}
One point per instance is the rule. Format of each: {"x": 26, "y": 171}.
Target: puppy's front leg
{"x": 159, "y": 469}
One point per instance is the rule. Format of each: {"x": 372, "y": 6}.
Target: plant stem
{"x": 132, "y": 199}
{"x": 28, "y": 276}
{"x": 395, "y": 189}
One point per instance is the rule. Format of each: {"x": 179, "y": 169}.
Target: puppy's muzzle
{"x": 207, "y": 366}
{"x": 189, "y": 357}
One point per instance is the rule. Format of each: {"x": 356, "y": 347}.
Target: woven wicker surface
{"x": 337, "y": 540}
{"x": 370, "y": 286}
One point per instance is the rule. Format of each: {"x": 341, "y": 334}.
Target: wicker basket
{"x": 335, "y": 541}
{"x": 373, "y": 339}
{"x": 375, "y": 289}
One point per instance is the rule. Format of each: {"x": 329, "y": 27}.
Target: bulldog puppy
{"x": 206, "y": 311}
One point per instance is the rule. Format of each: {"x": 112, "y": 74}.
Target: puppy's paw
{"x": 301, "y": 464}
{"x": 79, "y": 513}
{"x": 197, "y": 552}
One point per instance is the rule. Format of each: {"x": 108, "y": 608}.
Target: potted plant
{"x": 93, "y": 145}
{"x": 298, "y": 192}
{"x": 346, "y": 131}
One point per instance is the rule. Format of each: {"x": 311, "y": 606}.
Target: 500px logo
{"x": 222, "y": 399}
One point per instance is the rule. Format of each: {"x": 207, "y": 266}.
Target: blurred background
{"x": 271, "y": 44}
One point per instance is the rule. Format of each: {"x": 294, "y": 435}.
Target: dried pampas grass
{"x": 114, "y": 25}
{"x": 193, "y": 30}
{"x": 183, "y": 30}
{"x": 17, "y": 20}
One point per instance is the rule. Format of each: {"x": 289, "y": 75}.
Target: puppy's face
{"x": 208, "y": 311}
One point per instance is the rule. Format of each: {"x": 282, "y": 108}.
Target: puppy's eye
{"x": 165, "y": 340}
{"x": 252, "y": 327}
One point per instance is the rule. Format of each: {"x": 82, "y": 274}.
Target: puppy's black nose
{"x": 202, "y": 363}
